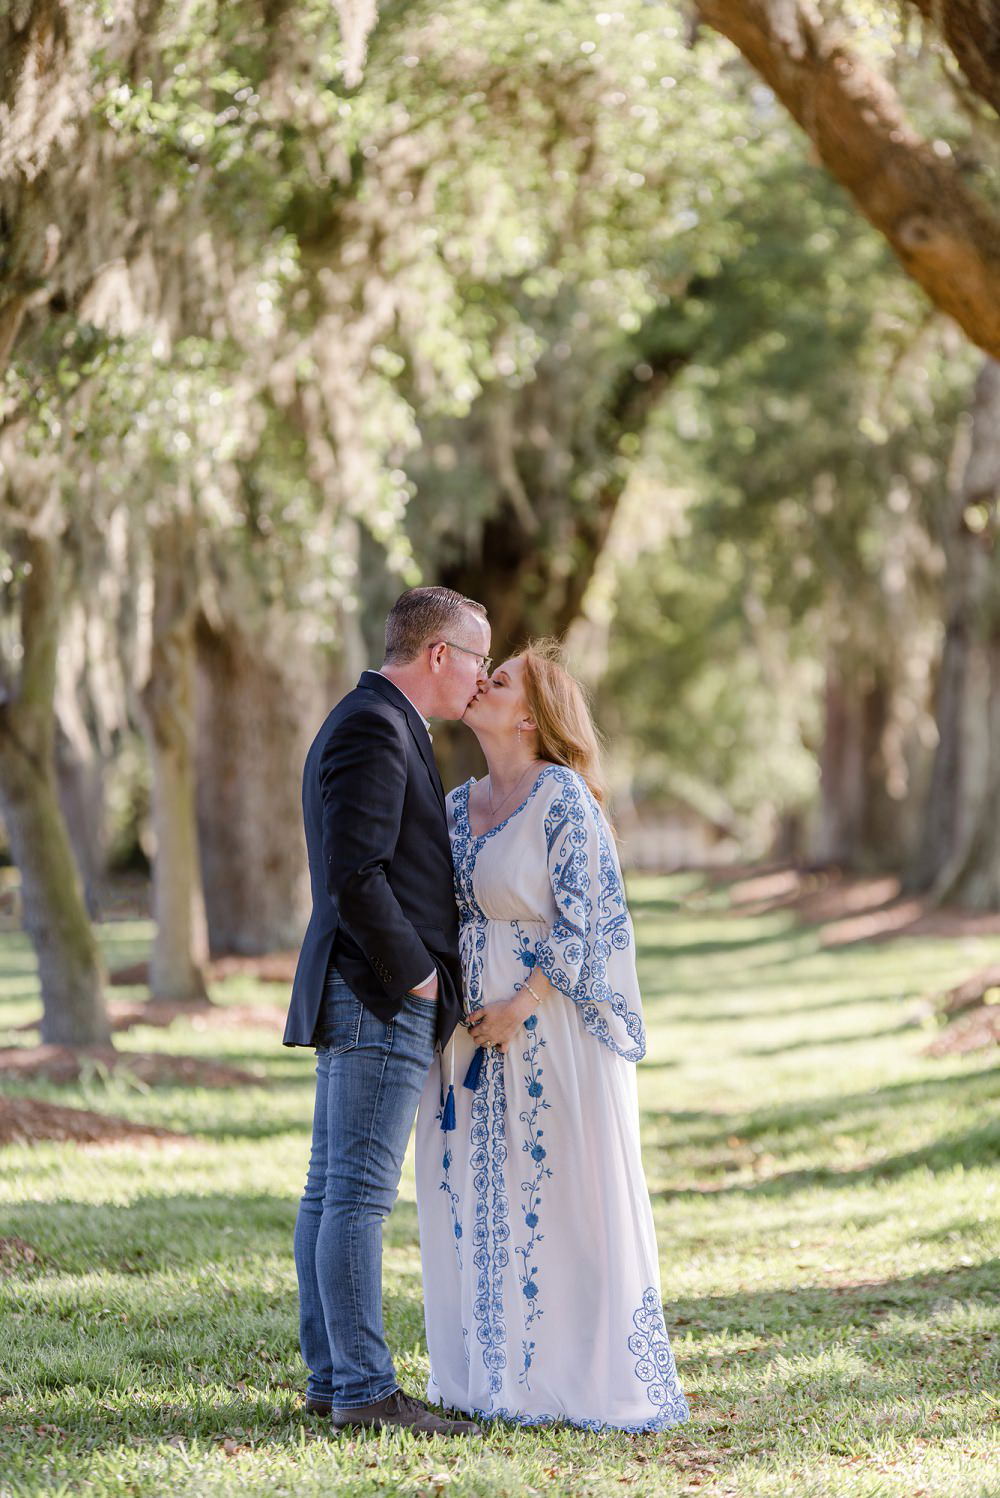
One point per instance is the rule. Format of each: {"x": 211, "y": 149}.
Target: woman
{"x": 541, "y": 1283}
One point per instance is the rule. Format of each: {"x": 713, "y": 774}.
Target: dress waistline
{"x": 496, "y": 920}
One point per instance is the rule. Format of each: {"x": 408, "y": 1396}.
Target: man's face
{"x": 463, "y": 665}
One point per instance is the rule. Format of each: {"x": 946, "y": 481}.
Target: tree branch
{"x": 971, "y": 31}
{"x": 944, "y": 237}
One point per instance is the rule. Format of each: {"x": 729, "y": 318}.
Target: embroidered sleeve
{"x": 589, "y": 954}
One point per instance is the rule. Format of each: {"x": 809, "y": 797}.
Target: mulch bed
{"x": 58, "y": 1063}
{"x": 872, "y": 909}
{"x": 973, "y": 1032}
{"x": 274, "y": 967}
{"x": 17, "y": 1257}
{"x": 125, "y": 1014}
{"x": 852, "y": 909}
{"x": 28, "y": 1121}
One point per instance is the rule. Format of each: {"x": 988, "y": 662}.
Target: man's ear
{"x": 437, "y": 656}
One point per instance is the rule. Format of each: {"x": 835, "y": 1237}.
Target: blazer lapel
{"x": 385, "y": 688}
{"x": 422, "y": 737}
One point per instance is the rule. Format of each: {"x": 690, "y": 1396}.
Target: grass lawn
{"x": 827, "y": 1207}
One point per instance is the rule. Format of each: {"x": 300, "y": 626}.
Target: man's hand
{"x": 497, "y": 1024}
{"x": 428, "y": 990}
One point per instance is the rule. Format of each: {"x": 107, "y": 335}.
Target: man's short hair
{"x": 421, "y": 616}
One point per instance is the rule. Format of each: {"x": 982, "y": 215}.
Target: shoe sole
{"x": 357, "y": 1426}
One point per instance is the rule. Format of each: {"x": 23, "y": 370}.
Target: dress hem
{"x": 513, "y": 1417}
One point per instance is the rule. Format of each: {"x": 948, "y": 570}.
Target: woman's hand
{"x": 497, "y": 1024}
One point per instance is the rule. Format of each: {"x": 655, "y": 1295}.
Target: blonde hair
{"x": 566, "y": 731}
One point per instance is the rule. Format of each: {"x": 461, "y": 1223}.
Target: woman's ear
{"x": 528, "y": 725}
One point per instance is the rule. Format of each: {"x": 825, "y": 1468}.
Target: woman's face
{"x": 502, "y": 703}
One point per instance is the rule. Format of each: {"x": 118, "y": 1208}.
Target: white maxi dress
{"x": 540, "y": 1271}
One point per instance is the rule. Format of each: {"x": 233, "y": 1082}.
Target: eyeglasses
{"x": 487, "y": 660}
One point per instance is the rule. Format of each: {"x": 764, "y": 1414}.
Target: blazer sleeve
{"x": 363, "y": 783}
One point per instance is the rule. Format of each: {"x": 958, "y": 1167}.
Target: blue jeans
{"x": 369, "y": 1077}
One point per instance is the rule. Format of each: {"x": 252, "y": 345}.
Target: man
{"x": 378, "y": 984}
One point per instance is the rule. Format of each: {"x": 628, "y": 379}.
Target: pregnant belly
{"x": 496, "y": 956}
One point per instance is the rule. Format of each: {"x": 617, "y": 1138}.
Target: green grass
{"x": 827, "y": 1210}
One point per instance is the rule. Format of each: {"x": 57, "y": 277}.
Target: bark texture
{"x": 55, "y": 916}
{"x": 971, "y": 29}
{"x": 180, "y": 946}
{"x": 945, "y": 237}
{"x": 858, "y": 821}
{"x": 258, "y": 709}
{"x": 959, "y": 854}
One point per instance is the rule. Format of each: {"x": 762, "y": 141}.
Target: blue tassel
{"x": 448, "y": 1116}
{"x": 475, "y": 1069}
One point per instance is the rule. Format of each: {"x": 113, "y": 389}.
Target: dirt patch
{"x": 982, "y": 987}
{"x": 58, "y": 1063}
{"x": 274, "y": 967}
{"x": 125, "y": 1014}
{"x": 851, "y": 909}
{"x": 873, "y": 909}
{"x": 29, "y": 1121}
{"x": 16, "y": 1256}
{"x": 973, "y": 1032}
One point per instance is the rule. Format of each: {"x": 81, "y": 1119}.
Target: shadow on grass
{"x": 687, "y": 1007}
{"x": 722, "y": 947}
{"x": 982, "y": 1086}
{"x": 162, "y": 1232}
{"x": 828, "y": 1308}
{"x": 208, "y": 1388}
{"x": 810, "y": 1042}
{"x": 974, "y": 1147}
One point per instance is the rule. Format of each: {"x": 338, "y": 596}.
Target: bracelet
{"x": 534, "y": 995}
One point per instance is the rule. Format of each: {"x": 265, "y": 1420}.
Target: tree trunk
{"x": 258, "y": 711}
{"x": 69, "y": 964}
{"x": 971, "y": 879}
{"x": 180, "y": 946}
{"x": 943, "y": 803}
{"x": 959, "y": 854}
{"x": 858, "y": 820}
{"x": 840, "y": 773}
{"x": 80, "y": 780}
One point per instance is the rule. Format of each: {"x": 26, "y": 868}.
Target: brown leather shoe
{"x": 402, "y": 1410}
{"x": 317, "y": 1406}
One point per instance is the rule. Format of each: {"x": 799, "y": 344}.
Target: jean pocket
{"x": 340, "y": 1027}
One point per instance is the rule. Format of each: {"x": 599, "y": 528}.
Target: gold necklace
{"x": 517, "y": 783}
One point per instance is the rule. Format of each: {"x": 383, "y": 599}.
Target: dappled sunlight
{"x": 827, "y": 1226}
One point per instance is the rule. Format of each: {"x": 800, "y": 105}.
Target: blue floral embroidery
{"x": 530, "y": 1189}
{"x": 574, "y": 956}
{"x": 514, "y": 1417}
{"x": 655, "y": 1365}
{"x": 492, "y": 1231}
{"x": 454, "y": 1199}
{"x": 524, "y": 948}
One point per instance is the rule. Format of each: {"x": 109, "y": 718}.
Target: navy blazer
{"x": 380, "y": 862}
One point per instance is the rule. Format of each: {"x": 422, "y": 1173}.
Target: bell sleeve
{"x": 589, "y": 952}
